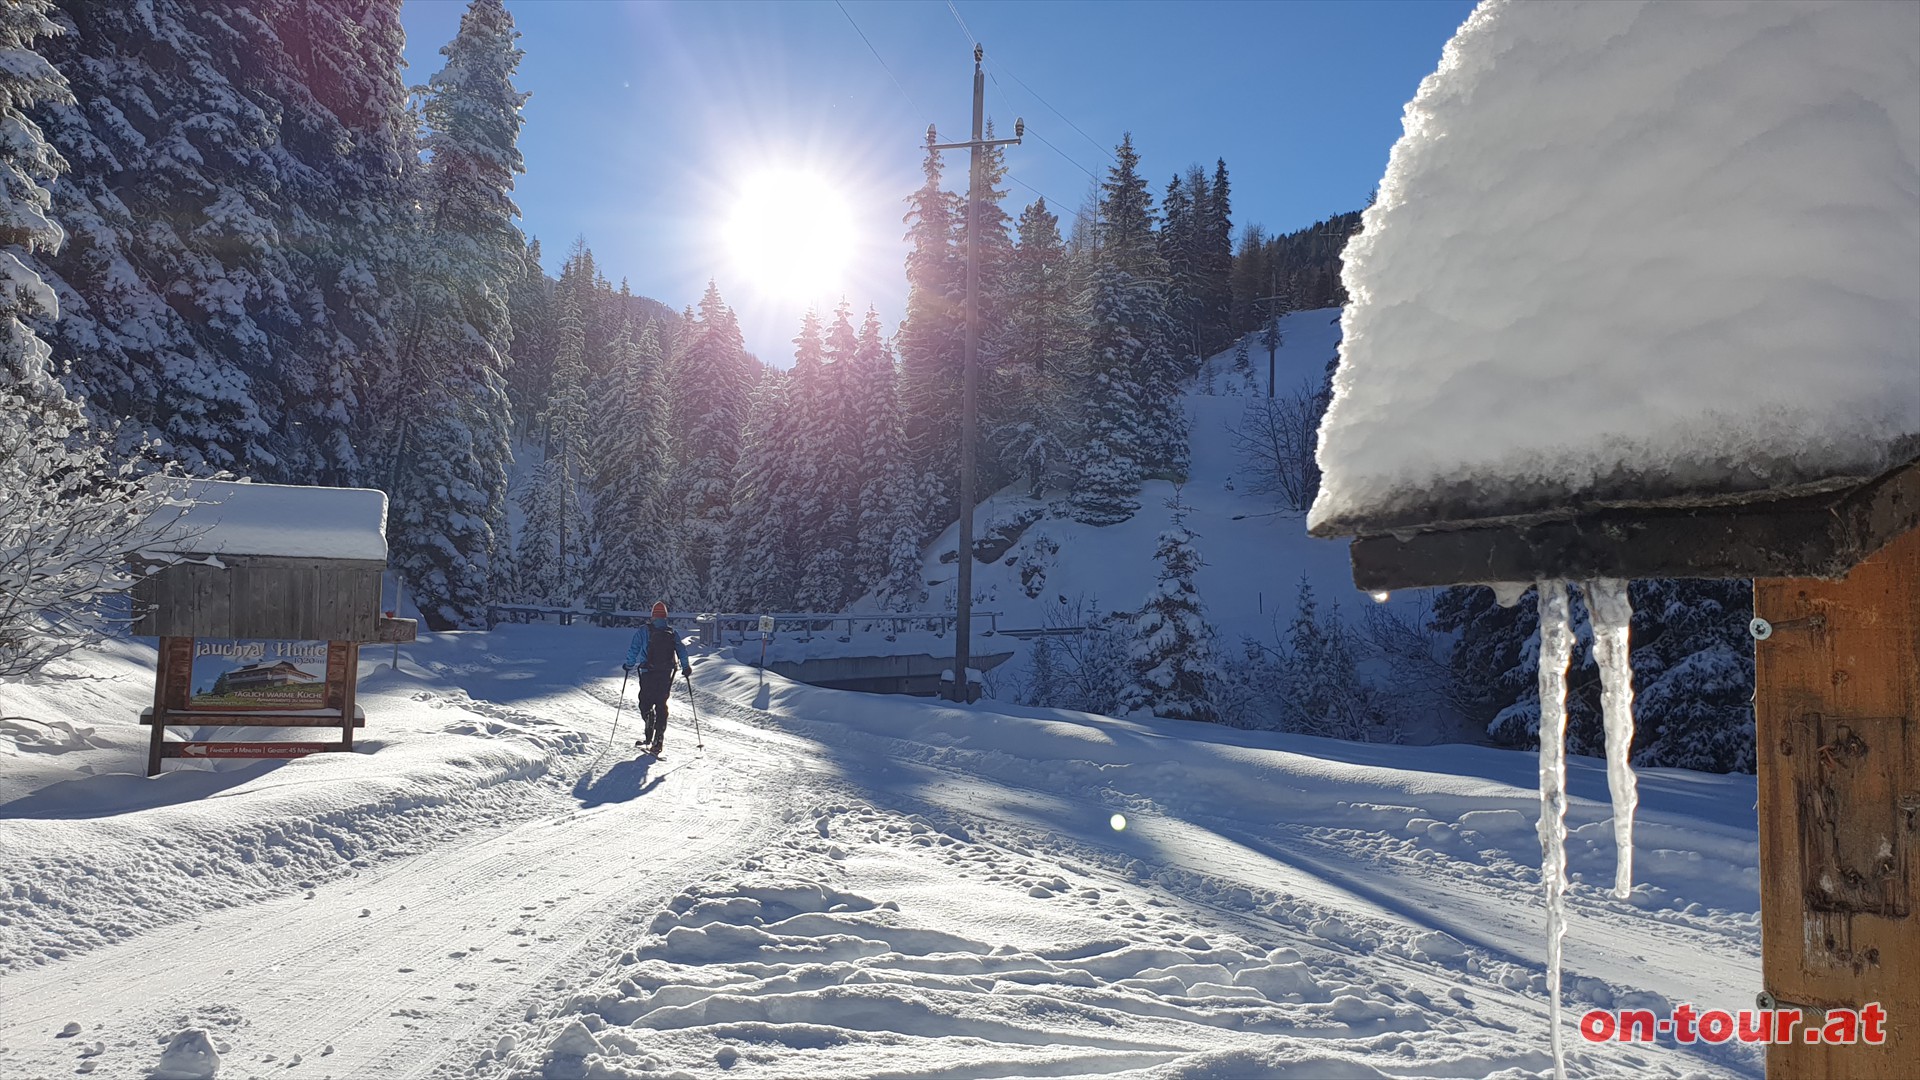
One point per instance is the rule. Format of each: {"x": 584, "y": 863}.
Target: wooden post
{"x": 1836, "y": 704}
{"x": 159, "y": 734}
{"x": 349, "y": 688}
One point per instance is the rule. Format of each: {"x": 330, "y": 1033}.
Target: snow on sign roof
{"x": 1636, "y": 253}
{"x": 289, "y": 522}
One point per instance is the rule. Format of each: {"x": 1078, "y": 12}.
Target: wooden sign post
{"x": 279, "y": 582}
{"x": 1837, "y": 671}
{"x": 175, "y": 705}
{"x": 1836, "y": 589}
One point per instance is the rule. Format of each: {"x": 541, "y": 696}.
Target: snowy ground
{"x": 838, "y": 885}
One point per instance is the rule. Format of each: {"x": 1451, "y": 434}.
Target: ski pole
{"x": 621, "y": 704}
{"x": 698, "y": 742}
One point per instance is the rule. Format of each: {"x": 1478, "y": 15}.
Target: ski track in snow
{"x": 820, "y": 893}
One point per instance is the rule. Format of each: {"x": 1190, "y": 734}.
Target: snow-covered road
{"x": 373, "y": 975}
{"x": 838, "y": 885}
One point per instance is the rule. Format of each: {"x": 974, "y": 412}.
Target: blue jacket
{"x": 639, "y": 647}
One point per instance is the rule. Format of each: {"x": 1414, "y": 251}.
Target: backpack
{"x": 660, "y": 643}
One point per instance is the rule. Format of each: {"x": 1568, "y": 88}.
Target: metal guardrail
{"x": 717, "y": 628}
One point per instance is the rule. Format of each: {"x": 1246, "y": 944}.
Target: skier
{"x": 655, "y": 646}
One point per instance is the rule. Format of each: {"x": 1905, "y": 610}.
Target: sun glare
{"x": 791, "y": 235}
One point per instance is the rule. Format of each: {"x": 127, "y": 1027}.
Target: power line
{"x": 1036, "y": 96}
{"x": 1062, "y": 153}
{"x": 1070, "y": 159}
{"x": 1050, "y": 199}
{"x": 883, "y": 63}
{"x": 971, "y": 40}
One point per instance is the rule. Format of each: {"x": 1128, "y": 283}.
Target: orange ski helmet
{"x": 659, "y": 609}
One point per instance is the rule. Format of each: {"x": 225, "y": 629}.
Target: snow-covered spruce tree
{"x": 627, "y": 477}
{"x": 996, "y": 255}
{"x": 233, "y": 210}
{"x": 1216, "y": 265}
{"x": 760, "y": 555}
{"x": 931, "y": 343}
{"x": 1106, "y": 482}
{"x": 1323, "y": 692}
{"x": 1044, "y": 334}
{"x": 28, "y": 168}
{"x": 831, "y": 446}
{"x": 1693, "y": 672}
{"x": 157, "y": 136}
{"x": 552, "y": 553}
{"x": 1182, "y": 246}
{"x": 530, "y": 299}
{"x": 447, "y": 410}
{"x": 535, "y": 572}
{"x": 333, "y": 72}
{"x": 1494, "y": 660}
{"x": 1243, "y": 361}
{"x": 69, "y": 520}
{"x": 708, "y": 383}
{"x": 1693, "y": 675}
{"x": 887, "y": 531}
{"x": 1172, "y": 654}
{"x": 807, "y": 484}
{"x": 1130, "y": 314}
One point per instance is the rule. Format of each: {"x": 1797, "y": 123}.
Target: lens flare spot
{"x": 791, "y": 234}
{"x": 1118, "y": 821}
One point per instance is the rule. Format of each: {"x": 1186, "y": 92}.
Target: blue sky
{"x": 649, "y": 118}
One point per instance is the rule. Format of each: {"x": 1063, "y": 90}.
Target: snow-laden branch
{"x": 71, "y": 525}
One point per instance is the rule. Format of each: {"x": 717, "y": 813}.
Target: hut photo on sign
{"x": 259, "y": 674}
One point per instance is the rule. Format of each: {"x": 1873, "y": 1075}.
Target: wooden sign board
{"x": 204, "y": 750}
{"x": 223, "y": 682}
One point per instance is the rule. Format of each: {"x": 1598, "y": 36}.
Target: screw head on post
{"x": 1761, "y": 629}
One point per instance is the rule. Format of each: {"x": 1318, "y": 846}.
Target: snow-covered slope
{"x": 1256, "y": 558}
{"x": 839, "y": 884}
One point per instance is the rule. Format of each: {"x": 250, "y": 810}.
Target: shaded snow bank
{"x": 92, "y": 851}
{"x": 1636, "y": 250}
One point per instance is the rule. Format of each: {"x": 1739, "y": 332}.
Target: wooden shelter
{"x": 259, "y": 579}
{"x": 1640, "y": 298}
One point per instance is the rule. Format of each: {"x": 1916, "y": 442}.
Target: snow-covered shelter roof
{"x": 282, "y": 521}
{"x": 1632, "y": 254}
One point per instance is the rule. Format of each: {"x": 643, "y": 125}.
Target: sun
{"x": 790, "y": 235}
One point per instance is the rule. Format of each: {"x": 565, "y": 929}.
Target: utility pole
{"x": 970, "y": 370}
{"x": 1270, "y": 326}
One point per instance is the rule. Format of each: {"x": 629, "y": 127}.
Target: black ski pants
{"x": 655, "y": 686}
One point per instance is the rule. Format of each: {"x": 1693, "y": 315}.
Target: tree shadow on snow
{"x": 111, "y": 794}
{"x": 623, "y": 782}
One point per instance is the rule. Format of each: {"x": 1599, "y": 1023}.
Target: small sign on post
{"x": 766, "y": 630}
{"x": 603, "y": 606}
